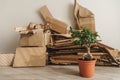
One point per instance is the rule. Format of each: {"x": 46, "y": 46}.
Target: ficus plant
{"x": 84, "y": 37}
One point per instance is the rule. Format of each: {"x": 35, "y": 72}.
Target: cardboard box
{"x": 35, "y": 38}
{"x": 30, "y": 56}
{"x": 6, "y": 59}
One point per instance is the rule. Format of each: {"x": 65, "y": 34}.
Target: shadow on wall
{"x": 70, "y": 15}
{"x": 12, "y": 43}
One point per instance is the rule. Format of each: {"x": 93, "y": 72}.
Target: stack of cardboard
{"x": 54, "y": 36}
{"x": 62, "y": 51}
{"x": 32, "y": 50}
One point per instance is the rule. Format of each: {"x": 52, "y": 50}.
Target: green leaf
{"x": 85, "y": 36}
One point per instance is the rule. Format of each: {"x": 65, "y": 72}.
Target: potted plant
{"x": 85, "y": 38}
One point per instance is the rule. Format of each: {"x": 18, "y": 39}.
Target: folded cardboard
{"x": 57, "y": 25}
{"x": 69, "y": 59}
{"x": 30, "y": 56}
{"x": 84, "y": 17}
{"x": 45, "y": 12}
{"x": 6, "y": 59}
{"x": 34, "y": 38}
{"x": 106, "y": 46}
{"x": 88, "y": 23}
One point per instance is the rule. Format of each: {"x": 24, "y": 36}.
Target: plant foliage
{"x": 84, "y": 37}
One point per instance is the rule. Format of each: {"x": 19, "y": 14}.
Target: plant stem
{"x": 89, "y": 54}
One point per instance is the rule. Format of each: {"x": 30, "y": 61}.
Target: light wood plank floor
{"x": 57, "y": 72}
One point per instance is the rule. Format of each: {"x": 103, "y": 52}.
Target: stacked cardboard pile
{"x": 62, "y": 51}
{"x": 53, "y": 35}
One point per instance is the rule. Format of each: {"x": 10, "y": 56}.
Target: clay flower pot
{"x": 86, "y": 68}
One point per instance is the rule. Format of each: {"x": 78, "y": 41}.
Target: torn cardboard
{"x": 84, "y": 17}
{"x": 30, "y": 56}
{"x": 45, "y": 12}
{"x": 57, "y": 25}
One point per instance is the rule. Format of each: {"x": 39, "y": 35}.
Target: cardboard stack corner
{"x": 32, "y": 50}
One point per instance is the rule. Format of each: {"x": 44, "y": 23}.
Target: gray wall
{"x": 17, "y": 13}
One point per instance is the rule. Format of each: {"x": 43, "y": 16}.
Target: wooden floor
{"x": 56, "y": 72}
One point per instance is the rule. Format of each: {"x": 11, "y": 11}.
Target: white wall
{"x": 16, "y": 13}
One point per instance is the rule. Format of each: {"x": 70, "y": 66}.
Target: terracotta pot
{"x": 86, "y": 68}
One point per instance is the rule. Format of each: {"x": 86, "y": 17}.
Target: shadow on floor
{"x": 66, "y": 70}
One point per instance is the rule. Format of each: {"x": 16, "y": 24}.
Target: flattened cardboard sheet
{"x": 44, "y": 11}
{"x": 30, "y": 56}
{"x": 57, "y": 25}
